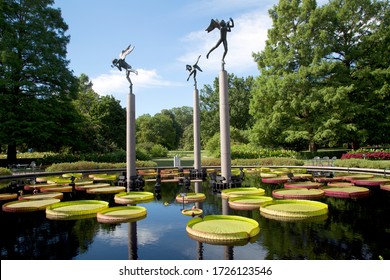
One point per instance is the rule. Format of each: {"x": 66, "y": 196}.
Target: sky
{"x": 167, "y": 35}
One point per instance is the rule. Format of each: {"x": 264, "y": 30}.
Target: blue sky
{"x": 167, "y": 35}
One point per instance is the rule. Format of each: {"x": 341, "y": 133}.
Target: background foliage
{"x": 323, "y": 82}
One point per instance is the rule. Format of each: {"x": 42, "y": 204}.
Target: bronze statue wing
{"x": 213, "y": 24}
{"x": 126, "y": 51}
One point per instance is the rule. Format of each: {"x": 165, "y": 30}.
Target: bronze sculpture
{"x": 122, "y": 64}
{"x": 224, "y": 27}
{"x": 192, "y": 69}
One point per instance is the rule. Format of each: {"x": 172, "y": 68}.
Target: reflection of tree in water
{"x": 84, "y": 230}
{"x": 353, "y": 230}
{"x": 32, "y": 236}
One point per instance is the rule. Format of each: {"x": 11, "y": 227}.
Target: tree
{"x": 110, "y": 120}
{"x": 158, "y": 129}
{"x": 87, "y": 99}
{"x": 182, "y": 118}
{"x": 36, "y": 87}
{"x": 239, "y": 90}
{"x": 308, "y": 91}
{"x": 358, "y": 51}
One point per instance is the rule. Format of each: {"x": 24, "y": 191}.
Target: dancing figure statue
{"x": 224, "y": 27}
{"x": 192, "y": 69}
{"x": 122, "y": 64}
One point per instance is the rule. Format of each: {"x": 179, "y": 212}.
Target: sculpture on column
{"x": 192, "y": 69}
{"x": 122, "y": 64}
{"x": 224, "y": 27}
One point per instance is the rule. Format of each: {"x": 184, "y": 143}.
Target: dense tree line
{"x": 324, "y": 75}
{"x": 323, "y": 81}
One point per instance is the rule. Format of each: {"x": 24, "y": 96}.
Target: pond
{"x": 353, "y": 229}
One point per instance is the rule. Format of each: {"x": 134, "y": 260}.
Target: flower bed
{"x": 367, "y": 155}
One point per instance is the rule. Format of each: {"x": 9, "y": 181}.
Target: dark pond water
{"x": 354, "y": 229}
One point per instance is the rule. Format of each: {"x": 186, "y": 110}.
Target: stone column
{"x": 130, "y": 139}
{"x": 196, "y": 123}
{"x": 224, "y": 126}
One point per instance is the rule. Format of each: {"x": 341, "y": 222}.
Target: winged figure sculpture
{"x": 122, "y": 64}
{"x": 224, "y": 28}
{"x": 193, "y": 69}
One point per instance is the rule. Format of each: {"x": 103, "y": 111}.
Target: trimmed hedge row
{"x": 89, "y": 165}
{"x": 269, "y": 161}
{"x": 251, "y": 152}
{"x": 362, "y": 163}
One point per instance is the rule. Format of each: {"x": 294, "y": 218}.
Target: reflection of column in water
{"x": 198, "y": 187}
{"x": 133, "y": 248}
{"x": 225, "y": 206}
{"x": 200, "y": 250}
{"x": 229, "y": 253}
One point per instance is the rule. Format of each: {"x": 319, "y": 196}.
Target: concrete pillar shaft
{"x": 224, "y": 126}
{"x": 130, "y": 139}
{"x": 196, "y": 123}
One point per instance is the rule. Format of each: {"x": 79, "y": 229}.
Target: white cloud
{"x": 145, "y": 235}
{"x": 115, "y": 81}
{"x": 215, "y": 7}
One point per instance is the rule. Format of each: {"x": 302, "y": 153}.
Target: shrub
{"x": 247, "y": 151}
{"x": 5, "y": 171}
{"x": 90, "y": 165}
{"x": 362, "y": 163}
{"x": 269, "y": 161}
{"x": 113, "y": 157}
{"x": 158, "y": 151}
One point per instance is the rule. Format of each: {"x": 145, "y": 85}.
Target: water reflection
{"x": 354, "y": 229}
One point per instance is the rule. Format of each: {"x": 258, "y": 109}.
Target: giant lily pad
{"x": 298, "y": 193}
{"x": 377, "y": 181}
{"x": 232, "y": 192}
{"x": 346, "y": 192}
{"x": 63, "y": 189}
{"x": 295, "y": 209}
{"x": 133, "y": 197}
{"x": 74, "y": 209}
{"x": 275, "y": 180}
{"x": 190, "y": 197}
{"x": 91, "y": 186}
{"x": 192, "y": 212}
{"x": 121, "y": 214}
{"x": 304, "y": 184}
{"x": 357, "y": 176}
{"x": 8, "y": 196}
{"x": 223, "y": 228}
{"x": 340, "y": 184}
{"x": 37, "y": 196}
{"x": 106, "y": 190}
{"x": 250, "y": 202}
{"x": 28, "y": 205}
{"x": 385, "y": 186}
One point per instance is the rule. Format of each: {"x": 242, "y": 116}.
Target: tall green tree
{"x": 104, "y": 119}
{"x": 182, "y": 118}
{"x": 239, "y": 90}
{"x": 157, "y": 129}
{"x": 308, "y": 91}
{"x": 85, "y": 101}
{"x": 36, "y": 86}
{"x": 110, "y": 120}
{"x": 358, "y": 52}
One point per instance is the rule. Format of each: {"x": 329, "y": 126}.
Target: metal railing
{"x": 379, "y": 172}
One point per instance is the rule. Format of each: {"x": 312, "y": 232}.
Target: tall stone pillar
{"x": 131, "y": 171}
{"x": 224, "y": 126}
{"x": 196, "y": 123}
